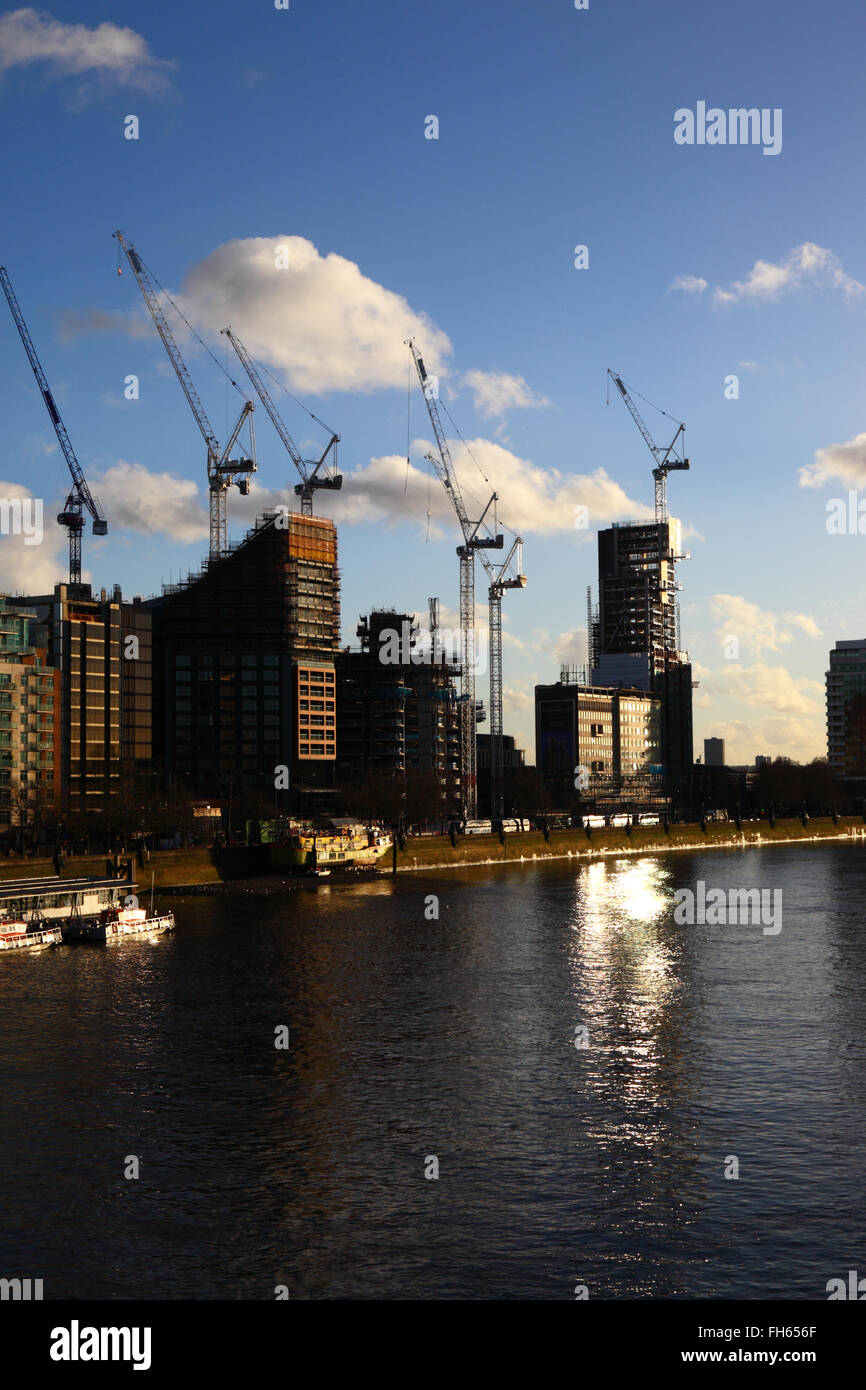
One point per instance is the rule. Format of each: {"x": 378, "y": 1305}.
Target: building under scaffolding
{"x": 398, "y": 710}
{"x": 634, "y": 638}
{"x": 245, "y": 685}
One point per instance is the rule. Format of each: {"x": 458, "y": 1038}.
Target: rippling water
{"x": 558, "y": 1165}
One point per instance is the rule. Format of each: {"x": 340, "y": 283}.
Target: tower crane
{"x": 223, "y": 471}
{"x": 477, "y": 536}
{"x": 664, "y": 463}
{"x": 311, "y": 478}
{"x": 80, "y": 496}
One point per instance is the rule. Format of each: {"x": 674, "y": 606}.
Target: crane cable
{"x": 477, "y": 464}
{"x": 408, "y": 423}
{"x": 286, "y": 392}
{"x": 632, "y": 392}
{"x": 197, "y": 336}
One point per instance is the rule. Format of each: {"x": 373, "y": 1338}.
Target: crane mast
{"x": 664, "y": 463}
{"x": 503, "y": 576}
{"x": 80, "y": 496}
{"x": 223, "y": 472}
{"x": 311, "y": 478}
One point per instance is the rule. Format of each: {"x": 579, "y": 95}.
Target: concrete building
{"x": 102, "y": 649}
{"x": 29, "y": 721}
{"x": 846, "y": 709}
{"x": 605, "y": 743}
{"x": 714, "y": 752}
{"x": 397, "y": 706}
{"x": 635, "y": 635}
{"x": 244, "y": 676}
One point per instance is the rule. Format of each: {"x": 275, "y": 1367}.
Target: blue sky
{"x": 306, "y": 128}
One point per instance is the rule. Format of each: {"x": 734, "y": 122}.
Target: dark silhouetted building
{"x": 846, "y": 710}
{"x": 397, "y": 706}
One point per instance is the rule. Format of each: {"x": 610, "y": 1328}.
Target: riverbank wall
{"x": 177, "y": 871}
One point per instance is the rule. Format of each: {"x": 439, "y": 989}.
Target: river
{"x": 411, "y": 1039}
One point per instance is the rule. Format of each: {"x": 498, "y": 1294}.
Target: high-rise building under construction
{"x": 244, "y": 679}
{"x": 635, "y": 635}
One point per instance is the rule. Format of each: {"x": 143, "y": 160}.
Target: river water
{"x": 412, "y": 1039}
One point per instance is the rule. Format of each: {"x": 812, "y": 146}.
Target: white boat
{"x": 50, "y": 901}
{"x": 15, "y": 935}
{"x": 115, "y": 924}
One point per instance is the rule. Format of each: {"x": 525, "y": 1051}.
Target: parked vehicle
{"x": 621, "y": 819}
{"x": 595, "y": 822}
{"x": 477, "y": 827}
{"x": 648, "y": 818}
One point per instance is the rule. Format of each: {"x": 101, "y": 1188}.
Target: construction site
{"x": 233, "y": 684}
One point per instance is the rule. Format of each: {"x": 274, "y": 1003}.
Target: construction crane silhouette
{"x": 223, "y": 471}
{"x": 664, "y": 463}
{"x": 478, "y": 536}
{"x": 80, "y": 497}
{"x": 311, "y": 476}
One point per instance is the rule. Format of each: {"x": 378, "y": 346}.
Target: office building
{"x": 102, "y": 649}
{"x": 846, "y": 710}
{"x": 604, "y": 743}
{"x": 714, "y": 752}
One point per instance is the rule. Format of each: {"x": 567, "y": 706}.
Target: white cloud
{"x": 804, "y": 265}
{"x": 540, "y": 500}
{"x": 32, "y": 569}
{"x": 845, "y": 462}
{"x": 755, "y": 628}
{"x": 770, "y": 687}
{"x": 318, "y": 320}
{"x": 533, "y": 500}
{"x": 497, "y": 392}
{"x": 570, "y": 648}
{"x": 117, "y": 56}
{"x": 134, "y": 498}
{"x": 776, "y": 736}
{"x": 804, "y": 621}
{"x": 689, "y": 284}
